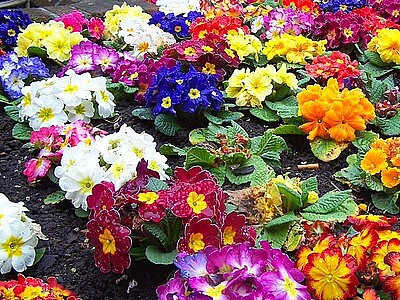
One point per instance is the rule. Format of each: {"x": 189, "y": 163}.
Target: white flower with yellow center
{"x": 105, "y": 101}
{"x": 121, "y": 171}
{"x": 84, "y": 111}
{"x": 49, "y": 111}
{"x": 79, "y": 182}
{"x": 17, "y": 246}
{"x": 178, "y": 6}
{"x": 72, "y": 89}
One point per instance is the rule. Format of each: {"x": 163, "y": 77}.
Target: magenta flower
{"x": 102, "y": 197}
{"x": 35, "y": 168}
{"x": 96, "y": 28}
{"x": 111, "y": 241}
{"x": 75, "y": 21}
{"x": 175, "y": 289}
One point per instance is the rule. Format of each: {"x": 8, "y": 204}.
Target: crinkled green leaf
{"x": 286, "y": 218}
{"x": 13, "y": 112}
{"x": 276, "y": 235}
{"x": 198, "y": 156}
{"x": 156, "y": 185}
{"x": 21, "y": 132}
{"x": 268, "y": 142}
{"x": 236, "y": 129}
{"x": 223, "y": 116}
{"x": 262, "y": 174}
{"x": 167, "y": 124}
{"x": 291, "y": 199}
{"x": 144, "y": 113}
{"x": 308, "y": 185}
{"x": 156, "y": 256}
{"x": 219, "y": 174}
{"x": 364, "y": 139}
{"x": 158, "y": 233}
{"x": 375, "y": 59}
{"x": 352, "y": 175}
{"x": 373, "y": 182}
{"x": 169, "y": 149}
{"x": 390, "y": 126}
{"x": 288, "y": 129}
{"x": 378, "y": 88}
{"x": 197, "y": 136}
{"x": 287, "y": 108}
{"x": 328, "y": 202}
{"x": 265, "y": 114}
{"x": 55, "y": 197}
{"x": 386, "y": 202}
{"x": 80, "y": 213}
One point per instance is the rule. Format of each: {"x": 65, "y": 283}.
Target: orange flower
{"x": 361, "y": 222}
{"x": 396, "y": 160}
{"x": 304, "y": 251}
{"x": 343, "y": 119}
{"x": 391, "y": 177}
{"x": 312, "y": 93}
{"x": 314, "y": 111}
{"x": 331, "y": 275}
{"x": 360, "y": 243}
{"x": 370, "y": 294}
{"x": 374, "y": 161}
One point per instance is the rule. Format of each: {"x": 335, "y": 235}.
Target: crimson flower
{"x": 111, "y": 241}
{"x": 198, "y": 234}
{"x": 102, "y": 197}
{"x": 234, "y": 230}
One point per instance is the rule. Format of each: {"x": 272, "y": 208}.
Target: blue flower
{"x": 14, "y": 83}
{"x": 192, "y": 266}
{"x": 342, "y": 5}
{"x": 11, "y": 24}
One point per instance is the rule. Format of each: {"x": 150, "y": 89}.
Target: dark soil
{"x": 69, "y": 257}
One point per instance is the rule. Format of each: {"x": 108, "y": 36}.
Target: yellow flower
{"x": 248, "y": 100}
{"x": 331, "y": 275}
{"x": 243, "y": 44}
{"x": 236, "y": 83}
{"x": 282, "y": 76}
{"x": 391, "y": 177}
{"x": 387, "y": 44}
{"x": 258, "y": 85}
{"x": 374, "y": 161}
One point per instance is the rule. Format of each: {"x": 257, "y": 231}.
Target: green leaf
{"x": 308, "y": 185}
{"x": 55, "y": 197}
{"x": 12, "y": 112}
{"x": 37, "y": 51}
{"x": 4, "y": 99}
{"x": 156, "y": 256}
{"x": 236, "y": 129}
{"x": 352, "y": 174}
{"x": 167, "y": 124}
{"x": 262, "y": 175}
{"x": 197, "y": 156}
{"x": 158, "y": 233}
{"x": 391, "y": 126}
{"x": 156, "y": 185}
{"x": 138, "y": 253}
{"x": 328, "y": 202}
{"x": 223, "y": 116}
{"x": 169, "y": 149}
{"x": 386, "y": 202}
{"x": 288, "y": 129}
{"x": 339, "y": 214}
{"x": 80, "y": 213}
{"x": 219, "y": 174}
{"x": 378, "y": 88}
{"x": 287, "y": 108}
{"x": 268, "y": 142}
{"x": 50, "y": 174}
{"x": 327, "y": 150}
{"x": 287, "y": 218}
{"x": 375, "y": 59}
{"x": 276, "y": 235}
{"x": 39, "y": 253}
{"x": 373, "y": 182}
{"x": 265, "y": 114}
{"x": 279, "y": 94}
{"x": 21, "y": 132}
{"x": 197, "y": 136}
{"x": 375, "y": 71}
{"x": 145, "y": 113}
{"x": 291, "y": 199}
{"x": 364, "y": 139}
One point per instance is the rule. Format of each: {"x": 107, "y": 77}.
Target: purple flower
{"x": 192, "y": 265}
{"x": 11, "y": 23}
{"x": 206, "y": 288}
{"x": 243, "y": 257}
{"x": 174, "y": 289}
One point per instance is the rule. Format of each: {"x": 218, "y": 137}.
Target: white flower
{"x": 157, "y": 162}
{"x": 72, "y": 89}
{"x": 79, "y": 182}
{"x": 49, "y": 112}
{"x": 121, "y": 171}
{"x": 17, "y": 246}
{"x": 257, "y": 24}
{"x": 178, "y": 6}
{"x": 28, "y": 107}
{"x": 84, "y": 111}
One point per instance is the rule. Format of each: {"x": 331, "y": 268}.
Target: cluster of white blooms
{"x": 142, "y": 37}
{"x": 111, "y": 158}
{"x": 18, "y": 236}
{"x": 72, "y": 97}
{"x": 178, "y": 6}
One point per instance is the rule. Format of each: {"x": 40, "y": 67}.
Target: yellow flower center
{"x": 104, "y": 97}
{"x": 290, "y": 287}
{"x": 46, "y": 114}
{"x": 148, "y": 198}
{"x": 194, "y": 94}
{"x": 143, "y": 47}
{"x": 79, "y": 110}
{"x": 11, "y": 32}
{"x": 86, "y": 185}
{"x": 108, "y": 242}
{"x": 209, "y": 69}
{"x": 207, "y": 49}
{"x": 215, "y": 291}
{"x": 197, "y": 202}
{"x": 189, "y": 51}
{"x": 178, "y": 28}
{"x": 12, "y": 246}
{"x": 139, "y": 152}
{"x": 348, "y": 32}
{"x": 154, "y": 166}
{"x": 166, "y": 102}
{"x": 229, "y": 235}
{"x": 196, "y": 242}
{"x": 395, "y": 13}
{"x": 71, "y": 88}
{"x": 134, "y": 76}
{"x": 105, "y": 62}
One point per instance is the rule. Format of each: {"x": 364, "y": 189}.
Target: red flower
{"x": 102, "y": 197}
{"x": 377, "y": 222}
{"x": 111, "y": 241}
{"x": 198, "y": 234}
{"x": 221, "y": 25}
{"x": 234, "y": 230}
{"x": 151, "y": 205}
{"x": 96, "y": 28}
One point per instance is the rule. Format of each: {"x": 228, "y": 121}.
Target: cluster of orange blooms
{"x": 384, "y": 158}
{"x": 335, "y": 114}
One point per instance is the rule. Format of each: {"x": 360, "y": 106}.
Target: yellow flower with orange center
{"x": 387, "y": 44}
{"x": 374, "y": 161}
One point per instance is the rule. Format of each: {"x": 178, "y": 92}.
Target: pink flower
{"x": 35, "y": 168}
{"x": 74, "y": 22}
{"x": 96, "y": 28}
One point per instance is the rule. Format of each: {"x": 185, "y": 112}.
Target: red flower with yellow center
{"x": 378, "y": 256}
{"x": 359, "y": 244}
{"x": 331, "y": 275}
{"x": 111, "y": 241}
{"x": 234, "y": 230}
{"x": 361, "y": 222}
{"x": 304, "y": 251}
{"x": 198, "y": 234}
{"x": 392, "y": 283}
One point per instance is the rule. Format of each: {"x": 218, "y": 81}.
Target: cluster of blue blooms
{"x": 177, "y": 25}
{"x": 12, "y": 21}
{"x": 343, "y": 5}
{"x": 16, "y": 71}
{"x": 172, "y": 90}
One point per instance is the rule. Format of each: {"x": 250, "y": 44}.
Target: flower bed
{"x": 248, "y": 149}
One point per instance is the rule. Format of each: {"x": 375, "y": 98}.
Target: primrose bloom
{"x": 331, "y": 275}
{"x": 111, "y": 240}
{"x": 387, "y": 44}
